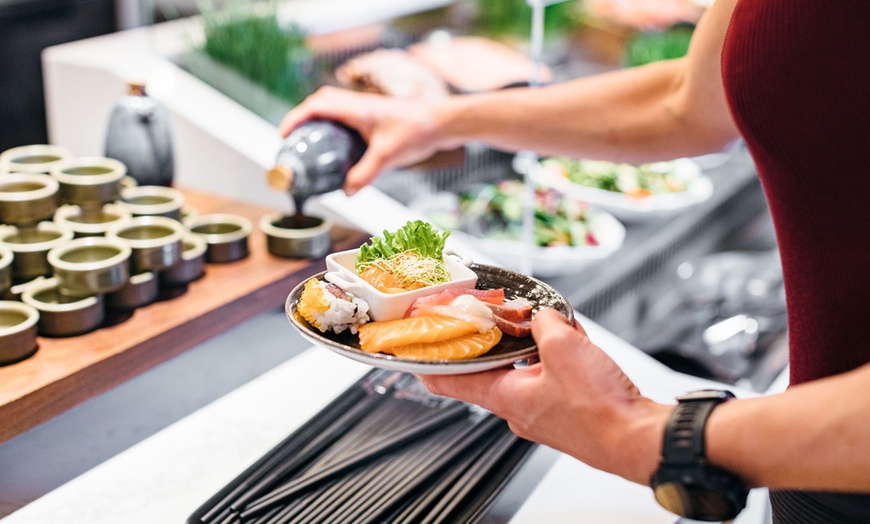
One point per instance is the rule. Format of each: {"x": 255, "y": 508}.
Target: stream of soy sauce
{"x": 297, "y": 219}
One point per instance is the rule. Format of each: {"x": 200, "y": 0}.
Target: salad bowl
{"x": 628, "y": 200}
{"x": 567, "y": 233}
{"x": 549, "y": 261}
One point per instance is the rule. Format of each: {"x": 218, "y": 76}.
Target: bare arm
{"x": 656, "y": 112}
{"x": 660, "y": 111}
{"x": 815, "y": 436}
{"x": 577, "y": 400}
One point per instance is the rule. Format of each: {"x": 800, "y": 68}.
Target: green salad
{"x": 414, "y": 253}
{"x": 495, "y": 211}
{"x": 637, "y": 181}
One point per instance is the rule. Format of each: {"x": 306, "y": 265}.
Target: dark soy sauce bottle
{"x": 140, "y": 135}
{"x": 314, "y": 159}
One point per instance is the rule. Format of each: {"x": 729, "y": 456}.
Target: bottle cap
{"x": 136, "y": 89}
{"x": 280, "y": 178}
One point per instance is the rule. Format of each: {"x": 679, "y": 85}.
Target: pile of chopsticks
{"x": 385, "y": 450}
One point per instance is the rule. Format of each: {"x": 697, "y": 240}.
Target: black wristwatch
{"x": 685, "y": 483}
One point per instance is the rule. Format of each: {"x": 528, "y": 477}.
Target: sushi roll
{"x": 327, "y": 307}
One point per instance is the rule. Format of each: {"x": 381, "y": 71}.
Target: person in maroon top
{"x": 792, "y": 78}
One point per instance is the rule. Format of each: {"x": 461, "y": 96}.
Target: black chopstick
{"x": 378, "y": 380}
{"x": 294, "y": 508}
{"x": 419, "y": 506}
{"x": 278, "y": 454}
{"x": 446, "y": 506}
{"x": 479, "y": 433}
{"x": 361, "y": 457}
{"x": 360, "y": 482}
{"x": 413, "y": 458}
{"x": 489, "y": 487}
{"x": 326, "y": 438}
{"x": 360, "y": 435}
{"x": 317, "y": 501}
{"x": 266, "y": 517}
{"x": 331, "y": 499}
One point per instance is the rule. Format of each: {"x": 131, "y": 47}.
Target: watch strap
{"x": 684, "y": 442}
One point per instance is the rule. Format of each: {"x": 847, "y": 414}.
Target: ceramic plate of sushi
{"x": 510, "y": 350}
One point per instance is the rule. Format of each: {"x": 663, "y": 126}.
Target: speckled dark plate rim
{"x": 507, "y": 352}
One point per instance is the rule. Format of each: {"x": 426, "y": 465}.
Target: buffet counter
{"x": 66, "y": 371}
{"x": 167, "y": 476}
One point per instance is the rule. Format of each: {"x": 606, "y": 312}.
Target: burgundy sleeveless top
{"x": 797, "y": 78}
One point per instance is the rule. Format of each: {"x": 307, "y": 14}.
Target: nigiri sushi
{"x": 327, "y": 307}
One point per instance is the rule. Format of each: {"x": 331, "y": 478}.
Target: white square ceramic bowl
{"x": 341, "y": 271}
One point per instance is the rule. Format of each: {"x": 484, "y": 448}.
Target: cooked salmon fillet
{"x": 376, "y": 337}
{"x": 460, "y": 348}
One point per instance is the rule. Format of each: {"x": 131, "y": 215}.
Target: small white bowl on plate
{"x": 341, "y": 271}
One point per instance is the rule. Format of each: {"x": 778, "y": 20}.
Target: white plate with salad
{"x": 632, "y": 193}
{"x": 567, "y": 233}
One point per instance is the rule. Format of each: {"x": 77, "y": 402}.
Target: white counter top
{"x": 164, "y": 478}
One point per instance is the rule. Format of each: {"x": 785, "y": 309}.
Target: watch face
{"x": 695, "y": 502}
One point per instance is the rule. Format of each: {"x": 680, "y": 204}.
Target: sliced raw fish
{"x": 519, "y": 329}
{"x": 376, "y": 337}
{"x": 465, "y": 307}
{"x": 464, "y": 347}
{"x": 515, "y": 310}
{"x": 490, "y": 296}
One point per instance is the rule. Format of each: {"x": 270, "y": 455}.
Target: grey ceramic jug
{"x": 140, "y": 135}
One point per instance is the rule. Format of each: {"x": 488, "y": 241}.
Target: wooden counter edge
{"x": 39, "y": 406}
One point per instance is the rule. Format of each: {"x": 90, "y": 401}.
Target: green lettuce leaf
{"x": 417, "y": 235}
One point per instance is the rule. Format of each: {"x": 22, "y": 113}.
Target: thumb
{"x": 557, "y": 337}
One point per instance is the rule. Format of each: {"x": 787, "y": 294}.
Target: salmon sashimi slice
{"x": 463, "y": 307}
{"x": 376, "y": 337}
{"x": 490, "y": 296}
{"x": 461, "y": 348}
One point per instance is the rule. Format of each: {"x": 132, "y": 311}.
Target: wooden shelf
{"x": 67, "y": 371}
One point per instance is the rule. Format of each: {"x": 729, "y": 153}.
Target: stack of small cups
{"x": 78, "y": 239}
